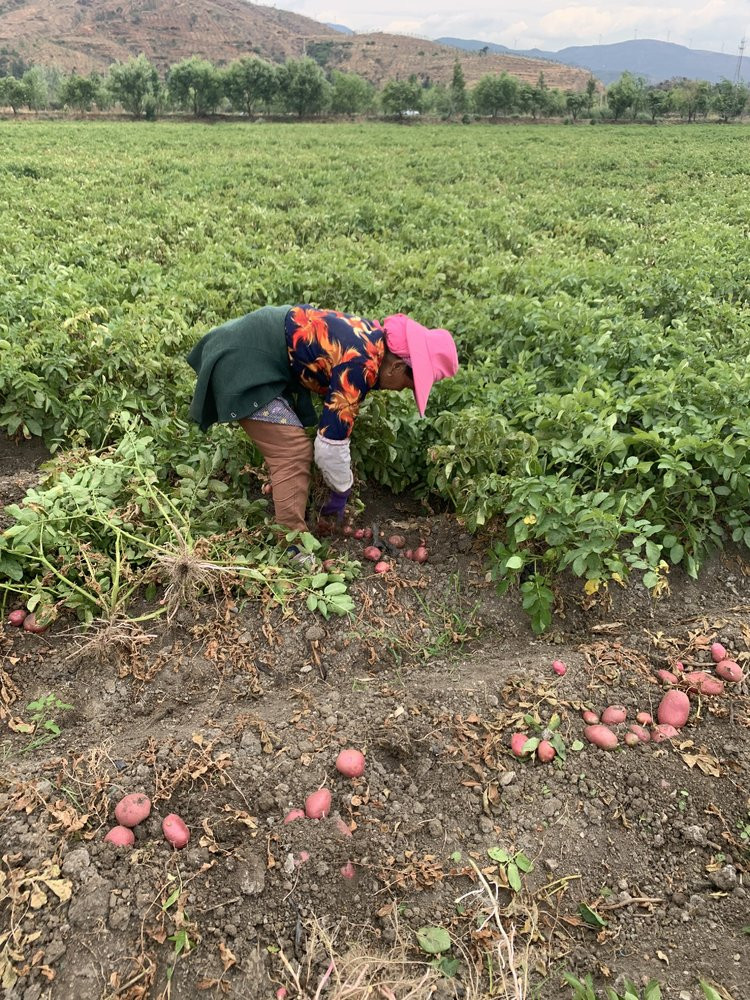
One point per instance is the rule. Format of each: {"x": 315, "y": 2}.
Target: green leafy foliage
{"x": 598, "y": 424}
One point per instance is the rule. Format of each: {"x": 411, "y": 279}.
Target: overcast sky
{"x": 701, "y": 24}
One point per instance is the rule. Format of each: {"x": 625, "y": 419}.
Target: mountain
{"x": 340, "y": 27}
{"x": 86, "y": 35}
{"x": 653, "y": 59}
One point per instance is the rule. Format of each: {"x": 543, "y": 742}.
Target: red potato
{"x": 590, "y": 718}
{"x": 397, "y": 541}
{"x": 614, "y": 715}
{"x": 678, "y": 667}
{"x": 359, "y": 533}
{"x": 704, "y": 683}
{"x": 367, "y": 533}
{"x": 348, "y": 530}
{"x": 328, "y": 564}
{"x": 718, "y": 652}
{"x": 120, "y": 836}
{"x": 347, "y": 870}
{"x": 420, "y": 555}
{"x": 666, "y": 676}
{"x": 342, "y": 827}
{"x": 17, "y": 618}
{"x": 631, "y": 739}
{"x": 545, "y": 752}
{"x": 674, "y": 709}
{"x": 728, "y": 670}
{"x": 266, "y": 489}
{"x": 301, "y": 858}
{"x": 351, "y": 763}
{"x": 175, "y": 830}
{"x": 281, "y": 993}
{"x": 409, "y": 554}
{"x": 30, "y": 624}
{"x": 644, "y": 736}
{"x": 133, "y": 809}
{"x": 517, "y": 743}
{"x": 292, "y": 815}
{"x": 664, "y": 732}
{"x": 318, "y": 804}
{"x": 644, "y": 718}
{"x": 382, "y": 567}
{"x": 559, "y": 667}
{"x": 601, "y": 737}
{"x": 372, "y": 553}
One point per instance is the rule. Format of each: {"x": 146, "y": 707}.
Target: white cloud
{"x": 545, "y": 23}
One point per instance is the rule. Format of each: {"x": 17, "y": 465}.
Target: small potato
{"x": 292, "y": 815}
{"x": 367, "y": 534}
{"x": 517, "y": 743}
{"x": 420, "y": 555}
{"x": 175, "y": 830}
{"x": 133, "y": 809}
{"x": 644, "y": 718}
{"x": 121, "y": 836}
{"x": 674, "y": 709}
{"x": 614, "y": 715}
{"x": 282, "y": 993}
{"x": 30, "y": 624}
{"x": 342, "y": 827}
{"x": 664, "y": 732}
{"x": 644, "y": 736}
{"x": 359, "y": 533}
{"x": 351, "y": 763}
{"x": 301, "y": 858}
{"x": 409, "y": 554}
{"x": 382, "y": 567}
{"x": 397, "y": 541}
{"x": 590, "y": 718}
{"x": 559, "y": 667}
{"x": 728, "y": 670}
{"x": 372, "y": 553}
{"x": 601, "y": 737}
{"x": 348, "y": 870}
{"x": 704, "y": 683}
{"x": 318, "y": 804}
{"x": 666, "y": 676}
{"x": 631, "y": 739}
{"x": 718, "y": 652}
{"x": 348, "y": 530}
{"x": 17, "y": 618}
{"x": 545, "y": 752}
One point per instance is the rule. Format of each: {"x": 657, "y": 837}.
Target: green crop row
{"x": 596, "y": 282}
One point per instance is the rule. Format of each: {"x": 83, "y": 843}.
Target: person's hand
{"x": 335, "y": 505}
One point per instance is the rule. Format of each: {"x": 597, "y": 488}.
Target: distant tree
{"x": 575, "y": 104}
{"x": 134, "y": 85}
{"x": 659, "y": 102}
{"x": 729, "y": 99}
{"x": 303, "y": 87}
{"x": 34, "y": 89}
{"x": 249, "y": 82}
{"x": 531, "y": 100}
{"x": 459, "y": 97}
{"x": 495, "y": 94}
{"x": 400, "y": 96}
{"x": 195, "y": 85}
{"x": 590, "y": 93}
{"x": 81, "y": 92}
{"x": 12, "y": 93}
{"x": 628, "y": 92}
{"x": 691, "y": 98}
{"x": 484, "y": 50}
{"x": 436, "y": 100}
{"x": 350, "y": 94}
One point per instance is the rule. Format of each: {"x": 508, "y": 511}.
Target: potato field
{"x": 581, "y": 494}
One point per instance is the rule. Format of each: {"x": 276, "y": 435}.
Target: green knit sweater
{"x": 241, "y": 366}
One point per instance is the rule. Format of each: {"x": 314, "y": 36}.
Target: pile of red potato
{"x": 350, "y": 763}
{"x": 671, "y": 715}
{"x": 136, "y": 808}
{"x": 377, "y": 550}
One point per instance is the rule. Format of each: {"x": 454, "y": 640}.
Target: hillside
{"x": 647, "y": 57}
{"x": 86, "y": 35}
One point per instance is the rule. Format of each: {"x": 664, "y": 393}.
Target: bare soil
{"x": 233, "y": 715}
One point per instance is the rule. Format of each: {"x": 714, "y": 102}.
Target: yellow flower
{"x": 530, "y": 519}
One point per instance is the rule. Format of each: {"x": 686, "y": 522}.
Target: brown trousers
{"x": 288, "y": 453}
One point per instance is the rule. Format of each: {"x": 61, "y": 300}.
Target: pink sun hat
{"x": 431, "y": 354}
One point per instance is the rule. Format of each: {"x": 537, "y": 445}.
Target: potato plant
{"x": 599, "y": 422}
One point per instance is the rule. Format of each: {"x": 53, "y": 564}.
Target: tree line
{"x": 304, "y": 88}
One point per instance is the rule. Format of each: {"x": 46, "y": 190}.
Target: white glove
{"x": 334, "y": 461}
